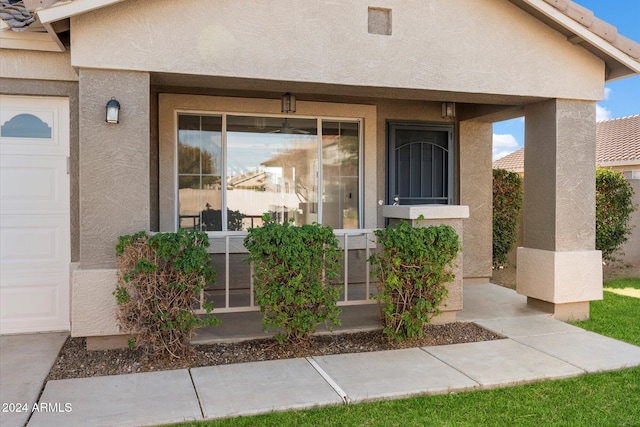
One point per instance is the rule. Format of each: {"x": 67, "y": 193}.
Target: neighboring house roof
{"x": 618, "y": 141}
{"x": 617, "y": 144}
{"x": 513, "y": 162}
{"x": 577, "y": 23}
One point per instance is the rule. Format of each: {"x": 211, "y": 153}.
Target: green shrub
{"x": 296, "y": 273}
{"x": 413, "y": 267}
{"x": 159, "y": 281}
{"x": 614, "y": 206}
{"x": 507, "y": 206}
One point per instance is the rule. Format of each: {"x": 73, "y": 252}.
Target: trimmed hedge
{"x": 296, "y": 273}
{"x": 614, "y": 206}
{"x": 507, "y": 207}
{"x": 413, "y": 268}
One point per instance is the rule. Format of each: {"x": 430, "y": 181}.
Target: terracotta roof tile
{"x": 513, "y": 162}
{"x": 618, "y": 140}
{"x": 15, "y": 15}
{"x": 617, "y": 143}
{"x": 603, "y": 29}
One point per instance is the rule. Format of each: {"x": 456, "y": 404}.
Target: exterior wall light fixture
{"x": 113, "y": 111}
{"x": 288, "y": 103}
{"x": 448, "y": 110}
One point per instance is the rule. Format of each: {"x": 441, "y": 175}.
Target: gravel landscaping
{"x": 74, "y": 361}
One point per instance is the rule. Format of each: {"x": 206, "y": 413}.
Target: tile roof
{"x": 618, "y": 141}
{"x": 617, "y": 144}
{"x": 597, "y": 26}
{"x": 513, "y": 162}
{"x": 15, "y": 15}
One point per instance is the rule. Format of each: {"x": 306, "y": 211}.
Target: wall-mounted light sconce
{"x": 113, "y": 111}
{"x": 448, "y": 110}
{"x": 288, "y": 103}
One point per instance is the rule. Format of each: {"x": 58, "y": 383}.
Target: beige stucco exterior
{"x": 490, "y": 57}
{"x": 434, "y": 46}
{"x": 34, "y": 65}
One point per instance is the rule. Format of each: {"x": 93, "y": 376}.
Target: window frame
{"x": 224, "y": 115}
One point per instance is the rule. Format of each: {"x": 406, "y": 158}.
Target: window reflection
{"x": 340, "y": 147}
{"x": 272, "y": 167}
{"x": 199, "y": 172}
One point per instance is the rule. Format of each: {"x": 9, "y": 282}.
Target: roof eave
{"x": 31, "y": 40}
{"x": 618, "y": 63}
{"x": 63, "y": 10}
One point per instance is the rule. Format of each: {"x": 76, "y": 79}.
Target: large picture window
{"x": 234, "y": 168}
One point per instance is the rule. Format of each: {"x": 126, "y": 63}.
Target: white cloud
{"x": 503, "y": 145}
{"x": 607, "y": 93}
{"x": 602, "y": 113}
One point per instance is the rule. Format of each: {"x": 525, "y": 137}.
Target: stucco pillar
{"x": 114, "y": 163}
{"x": 476, "y": 190}
{"x": 435, "y": 215}
{"x": 114, "y": 190}
{"x": 558, "y": 267}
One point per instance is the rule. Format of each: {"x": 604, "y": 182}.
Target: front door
{"x": 420, "y": 163}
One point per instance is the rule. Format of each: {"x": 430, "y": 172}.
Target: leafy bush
{"x": 159, "y": 280}
{"x": 413, "y": 268}
{"x": 296, "y": 270}
{"x": 507, "y": 205}
{"x": 614, "y": 206}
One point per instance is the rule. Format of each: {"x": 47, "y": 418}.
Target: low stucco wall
{"x": 631, "y": 249}
{"x": 93, "y": 304}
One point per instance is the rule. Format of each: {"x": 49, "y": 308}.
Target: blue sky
{"x": 622, "y": 97}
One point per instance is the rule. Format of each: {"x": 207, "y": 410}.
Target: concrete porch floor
{"x": 537, "y": 347}
{"x": 480, "y": 301}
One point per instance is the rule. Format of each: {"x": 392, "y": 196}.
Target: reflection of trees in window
{"x": 298, "y": 165}
{"x": 200, "y": 162}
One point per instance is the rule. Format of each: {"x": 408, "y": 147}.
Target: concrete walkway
{"x": 537, "y": 347}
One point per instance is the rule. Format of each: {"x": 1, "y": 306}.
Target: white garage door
{"x": 34, "y": 214}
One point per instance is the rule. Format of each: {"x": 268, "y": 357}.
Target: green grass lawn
{"x": 616, "y": 316}
{"x": 606, "y": 399}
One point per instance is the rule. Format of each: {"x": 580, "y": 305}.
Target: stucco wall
{"x": 24, "y": 64}
{"x": 483, "y": 46}
{"x": 114, "y": 163}
{"x": 631, "y": 248}
{"x": 476, "y": 189}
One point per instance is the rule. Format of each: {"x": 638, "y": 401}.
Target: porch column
{"x": 559, "y": 269}
{"x": 114, "y": 191}
{"x": 476, "y": 191}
